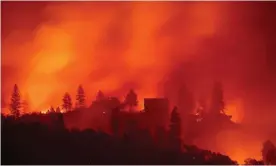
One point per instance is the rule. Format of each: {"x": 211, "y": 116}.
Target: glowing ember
{"x": 44, "y": 111}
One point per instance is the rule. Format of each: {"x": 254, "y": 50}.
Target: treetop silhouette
{"x": 80, "y": 97}
{"x": 15, "y": 104}
{"x": 100, "y": 96}
{"x": 131, "y": 99}
{"x": 67, "y": 102}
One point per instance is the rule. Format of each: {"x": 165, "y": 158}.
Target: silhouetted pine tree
{"x": 58, "y": 110}
{"x": 131, "y": 99}
{"x": 217, "y": 102}
{"x": 80, "y": 97}
{"x": 175, "y": 129}
{"x": 15, "y": 104}
{"x": 52, "y": 110}
{"x": 100, "y": 96}
{"x": 67, "y": 102}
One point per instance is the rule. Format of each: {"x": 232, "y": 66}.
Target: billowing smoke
{"x": 49, "y": 48}
{"x": 107, "y": 46}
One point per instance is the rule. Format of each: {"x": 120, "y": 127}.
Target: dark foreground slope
{"x": 38, "y": 144}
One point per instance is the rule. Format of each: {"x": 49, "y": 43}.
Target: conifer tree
{"x": 52, "y": 110}
{"x": 67, "y": 102}
{"x": 100, "y": 96}
{"x": 58, "y": 110}
{"x": 80, "y": 97}
{"x": 131, "y": 99}
{"x": 15, "y": 104}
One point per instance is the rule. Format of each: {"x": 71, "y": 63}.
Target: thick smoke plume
{"x": 49, "y": 48}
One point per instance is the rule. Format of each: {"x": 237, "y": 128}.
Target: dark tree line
{"x": 34, "y": 143}
{"x": 131, "y": 100}
{"x": 17, "y": 107}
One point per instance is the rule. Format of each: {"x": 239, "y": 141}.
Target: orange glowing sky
{"x": 113, "y": 44}
{"x": 49, "y": 48}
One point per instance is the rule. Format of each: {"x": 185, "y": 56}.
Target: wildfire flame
{"x": 46, "y": 111}
{"x": 235, "y": 109}
{"x": 117, "y": 46}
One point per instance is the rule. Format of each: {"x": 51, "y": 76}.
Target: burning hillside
{"x": 155, "y": 48}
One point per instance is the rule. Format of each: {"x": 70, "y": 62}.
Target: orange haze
{"x": 49, "y": 48}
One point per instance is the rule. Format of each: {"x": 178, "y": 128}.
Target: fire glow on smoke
{"x": 50, "y": 48}
{"x": 102, "y": 47}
